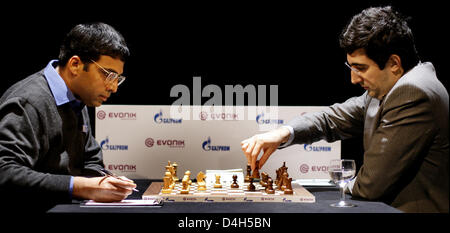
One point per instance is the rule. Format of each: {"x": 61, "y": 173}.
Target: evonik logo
{"x": 116, "y": 115}
{"x": 122, "y": 167}
{"x": 173, "y": 143}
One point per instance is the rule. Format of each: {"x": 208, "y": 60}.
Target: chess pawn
{"x": 217, "y": 185}
{"x": 251, "y": 187}
{"x": 188, "y": 174}
{"x": 288, "y": 189}
{"x": 185, "y": 185}
{"x": 269, "y": 188}
{"x": 234, "y": 185}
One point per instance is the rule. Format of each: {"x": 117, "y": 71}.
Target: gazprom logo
{"x": 261, "y": 120}
{"x": 206, "y": 145}
{"x": 159, "y": 119}
{"x": 105, "y": 145}
{"x": 309, "y": 147}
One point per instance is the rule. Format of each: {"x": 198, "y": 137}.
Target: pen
{"x": 105, "y": 172}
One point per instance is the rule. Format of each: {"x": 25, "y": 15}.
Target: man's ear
{"x": 395, "y": 65}
{"x": 75, "y": 65}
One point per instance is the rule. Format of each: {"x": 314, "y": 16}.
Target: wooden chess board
{"x": 227, "y": 194}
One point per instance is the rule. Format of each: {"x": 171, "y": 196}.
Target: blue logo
{"x": 206, "y": 145}
{"x": 309, "y": 147}
{"x": 105, "y": 145}
{"x": 261, "y": 120}
{"x": 160, "y": 119}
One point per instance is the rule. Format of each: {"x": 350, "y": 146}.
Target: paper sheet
{"x": 126, "y": 202}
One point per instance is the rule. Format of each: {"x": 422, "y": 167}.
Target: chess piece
{"x": 201, "y": 184}
{"x": 288, "y": 189}
{"x": 269, "y": 188}
{"x": 251, "y": 187}
{"x": 234, "y": 185}
{"x": 255, "y": 173}
{"x": 279, "y": 180}
{"x": 175, "y": 168}
{"x": 171, "y": 170}
{"x": 249, "y": 172}
{"x": 284, "y": 179}
{"x": 167, "y": 183}
{"x": 217, "y": 185}
{"x": 264, "y": 178}
{"x": 188, "y": 174}
{"x": 185, "y": 185}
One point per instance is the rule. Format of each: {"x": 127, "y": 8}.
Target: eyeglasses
{"x": 353, "y": 69}
{"x": 111, "y": 76}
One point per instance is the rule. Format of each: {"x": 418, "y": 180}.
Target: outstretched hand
{"x": 267, "y": 142}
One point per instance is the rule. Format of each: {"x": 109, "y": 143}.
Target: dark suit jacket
{"x": 406, "y": 141}
{"x": 41, "y": 144}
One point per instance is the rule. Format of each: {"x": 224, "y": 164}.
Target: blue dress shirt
{"x": 62, "y": 95}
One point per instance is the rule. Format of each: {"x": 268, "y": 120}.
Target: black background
{"x": 294, "y": 46}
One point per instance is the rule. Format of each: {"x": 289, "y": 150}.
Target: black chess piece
{"x": 284, "y": 180}
{"x": 269, "y": 188}
{"x": 251, "y": 187}
{"x": 264, "y": 178}
{"x": 249, "y": 173}
{"x": 255, "y": 173}
{"x": 234, "y": 184}
{"x": 288, "y": 189}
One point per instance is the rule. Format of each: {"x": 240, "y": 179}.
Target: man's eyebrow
{"x": 357, "y": 64}
{"x": 111, "y": 70}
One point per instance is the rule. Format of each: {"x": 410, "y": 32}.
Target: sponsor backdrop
{"x": 137, "y": 140}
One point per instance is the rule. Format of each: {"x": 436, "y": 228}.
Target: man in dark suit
{"x": 48, "y": 154}
{"x": 403, "y": 117}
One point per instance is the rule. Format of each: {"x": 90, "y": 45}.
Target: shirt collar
{"x": 58, "y": 87}
{"x": 60, "y": 91}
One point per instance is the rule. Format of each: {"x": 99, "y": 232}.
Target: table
{"x": 229, "y": 216}
{"x": 324, "y": 197}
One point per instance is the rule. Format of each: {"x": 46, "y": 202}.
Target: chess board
{"x": 227, "y": 194}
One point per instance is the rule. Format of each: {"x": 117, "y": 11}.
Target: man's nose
{"x": 112, "y": 87}
{"x": 355, "y": 79}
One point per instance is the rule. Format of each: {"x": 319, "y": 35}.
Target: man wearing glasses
{"x": 402, "y": 116}
{"x": 48, "y": 154}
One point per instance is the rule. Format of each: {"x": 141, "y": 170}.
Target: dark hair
{"x": 89, "y": 41}
{"x": 381, "y": 32}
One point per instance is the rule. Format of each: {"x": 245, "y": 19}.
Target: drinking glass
{"x": 341, "y": 172}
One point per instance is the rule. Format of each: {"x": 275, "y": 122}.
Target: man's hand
{"x": 268, "y": 142}
{"x": 102, "y": 189}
